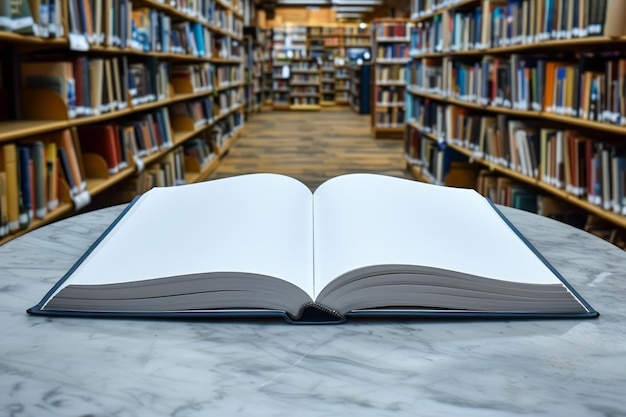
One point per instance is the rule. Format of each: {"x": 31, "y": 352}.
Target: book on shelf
{"x": 17, "y": 16}
{"x": 361, "y": 245}
{"x": 57, "y": 76}
{"x": 9, "y": 166}
{"x": 103, "y": 140}
{"x": 6, "y": 23}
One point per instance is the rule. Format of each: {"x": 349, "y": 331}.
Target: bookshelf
{"x": 254, "y": 42}
{"x": 359, "y": 94}
{"x": 343, "y": 82}
{"x": 330, "y": 46}
{"x": 328, "y": 82}
{"x": 391, "y": 54}
{"x": 97, "y": 107}
{"x": 267, "y": 67}
{"x": 526, "y": 99}
{"x": 304, "y": 84}
{"x": 288, "y": 43}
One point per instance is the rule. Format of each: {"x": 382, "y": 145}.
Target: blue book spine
{"x": 25, "y": 187}
{"x": 198, "y": 33}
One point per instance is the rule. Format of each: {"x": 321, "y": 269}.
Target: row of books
{"x": 200, "y": 150}
{"x": 393, "y": 51}
{"x": 289, "y": 42}
{"x": 389, "y": 117}
{"x": 586, "y": 88}
{"x": 28, "y": 179}
{"x": 342, "y": 84}
{"x": 31, "y": 169}
{"x": 391, "y": 73}
{"x": 33, "y": 18}
{"x": 305, "y": 66}
{"x": 506, "y": 191}
{"x": 194, "y": 156}
{"x": 228, "y": 100}
{"x": 434, "y": 158}
{"x": 90, "y": 86}
{"x": 195, "y": 114}
{"x": 166, "y": 172}
{"x": 421, "y": 8}
{"x": 355, "y": 42}
{"x": 224, "y": 19}
{"x": 42, "y": 172}
{"x": 118, "y": 23}
{"x": 336, "y": 31}
{"x": 304, "y": 79}
{"x": 281, "y": 98}
{"x": 304, "y": 101}
{"x": 342, "y": 72}
{"x": 193, "y": 78}
{"x": 134, "y": 139}
{"x": 227, "y": 48}
{"x": 501, "y": 23}
{"x": 563, "y": 158}
{"x": 392, "y": 30}
{"x": 152, "y": 30}
{"x": 280, "y": 85}
{"x": 229, "y": 75}
{"x": 304, "y": 91}
{"x": 390, "y": 96}
{"x": 225, "y": 128}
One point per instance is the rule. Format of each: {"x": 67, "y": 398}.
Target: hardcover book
{"x": 263, "y": 245}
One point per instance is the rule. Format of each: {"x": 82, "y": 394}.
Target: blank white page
{"x": 367, "y": 219}
{"x": 257, "y": 223}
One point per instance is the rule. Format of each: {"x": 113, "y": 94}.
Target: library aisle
{"x": 312, "y": 147}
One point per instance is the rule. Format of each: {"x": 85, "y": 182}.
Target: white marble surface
{"x": 123, "y": 368}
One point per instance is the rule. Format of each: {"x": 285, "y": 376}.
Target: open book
{"x": 264, "y": 245}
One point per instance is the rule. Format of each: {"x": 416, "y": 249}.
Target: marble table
{"x": 85, "y": 367}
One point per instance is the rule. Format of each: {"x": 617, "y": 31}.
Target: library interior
{"x": 107, "y": 106}
{"x": 521, "y": 100}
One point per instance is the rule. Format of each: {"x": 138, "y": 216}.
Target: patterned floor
{"x": 312, "y": 147}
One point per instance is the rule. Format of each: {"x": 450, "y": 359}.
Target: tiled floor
{"x": 312, "y": 147}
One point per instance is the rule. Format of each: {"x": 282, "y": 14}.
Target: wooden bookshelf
{"x": 334, "y": 44}
{"x": 305, "y": 84}
{"x": 103, "y": 88}
{"x": 391, "y": 54}
{"x": 532, "y": 103}
{"x": 267, "y": 67}
{"x": 328, "y": 82}
{"x": 343, "y": 84}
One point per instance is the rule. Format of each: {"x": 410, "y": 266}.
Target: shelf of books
{"x": 254, "y": 41}
{"x": 304, "y": 84}
{"x": 354, "y": 95}
{"x": 93, "y": 102}
{"x": 343, "y": 83}
{"x": 391, "y": 55}
{"x": 328, "y": 83}
{"x": 334, "y": 44}
{"x": 267, "y": 67}
{"x": 287, "y": 43}
{"x": 528, "y": 97}
{"x": 359, "y": 94}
